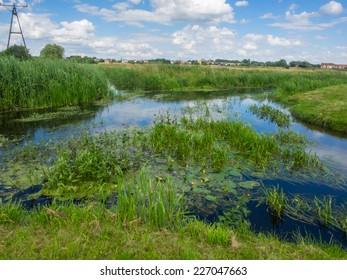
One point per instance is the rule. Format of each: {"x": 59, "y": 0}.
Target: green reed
{"x": 275, "y": 200}
{"x": 153, "y": 202}
{"x": 180, "y": 77}
{"x": 324, "y": 210}
{"x": 48, "y": 83}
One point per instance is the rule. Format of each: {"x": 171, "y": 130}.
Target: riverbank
{"x": 325, "y": 107}
{"x": 95, "y": 232}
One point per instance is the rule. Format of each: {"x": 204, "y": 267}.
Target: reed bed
{"x": 181, "y": 77}
{"x": 39, "y": 83}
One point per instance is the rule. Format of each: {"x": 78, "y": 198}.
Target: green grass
{"x": 92, "y": 231}
{"x": 37, "y": 83}
{"x": 180, "y": 77}
{"x": 275, "y": 200}
{"x": 325, "y": 107}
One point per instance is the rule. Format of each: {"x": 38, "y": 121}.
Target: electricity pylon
{"x": 14, "y": 14}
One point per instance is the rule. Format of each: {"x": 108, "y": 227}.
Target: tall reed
{"x": 48, "y": 83}
{"x": 152, "y": 202}
{"x": 179, "y": 77}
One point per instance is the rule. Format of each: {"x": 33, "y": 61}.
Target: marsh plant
{"x": 40, "y": 83}
{"x": 270, "y": 113}
{"x": 149, "y": 201}
{"x": 276, "y": 201}
{"x": 324, "y": 210}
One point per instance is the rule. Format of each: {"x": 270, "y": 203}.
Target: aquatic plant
{"x": 276, "y": 200}
{"x": 272, "y": 114}
{"x": 153, "y": 202}
{"x": 324, "y": 210}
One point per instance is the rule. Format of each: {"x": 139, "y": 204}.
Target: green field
{"x": 325, "y": 107}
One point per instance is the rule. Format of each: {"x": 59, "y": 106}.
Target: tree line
{"x": 55, "y": 51}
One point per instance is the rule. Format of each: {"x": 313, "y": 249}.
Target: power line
{"x": 14, "y": 11}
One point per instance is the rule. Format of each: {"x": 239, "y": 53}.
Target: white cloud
{"x": 166, "y": 11}
{"x": 36, "y": 26}
{"x": 293, "y": 7}
{"x": 268, "y": 16}
{"x": 250, "y": 46}
{"x": 196, "y": 39}
{"x": 241, "y": 4}
{"x": 75, "y": 32}
{"x": 332, "y": 8}
{"x": 277, "y": 41}
{"x": 273, "y": 40}
{"x": 121, "y": 6}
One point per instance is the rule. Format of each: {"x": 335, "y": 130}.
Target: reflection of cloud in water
{"x": 334, "y": 155}
{"x": 129, "y": 113}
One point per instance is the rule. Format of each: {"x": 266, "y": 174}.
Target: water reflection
{"x": 141, "y": 111}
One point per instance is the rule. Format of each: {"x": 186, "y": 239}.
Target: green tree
{"x": 52, "y": 51}
{"x": 19, "y": 52}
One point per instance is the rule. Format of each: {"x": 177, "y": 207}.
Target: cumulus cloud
{"x": 194, "y": 39}
{"x": 332, "y": 8}
{"x": 268, "y": 16}
{"x": 273, "y": 40}
{"x": 166, "y": 11}
{"x": 241, "y": 4}
{"x": 36, "y": 26}
{"x": 75, "y": 32}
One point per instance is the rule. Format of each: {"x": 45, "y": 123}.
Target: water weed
{"x": 324, "y": 210}
{"x": 276, "y": 200}
{"x": 272, "y": 114}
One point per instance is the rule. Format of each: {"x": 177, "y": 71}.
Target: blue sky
{"x": 263, "y": 30}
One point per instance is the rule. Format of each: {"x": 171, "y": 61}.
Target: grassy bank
{"x": 325, "y": 107}
{"x": 182, "y": 77}
{"x": 40, "y": 83}
{"x": 95, "y": 232}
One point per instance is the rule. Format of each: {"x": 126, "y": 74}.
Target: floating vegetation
{"x": 272, "y": 114}
{"x": 62, "y": 113}
{"x": 3, "y": 141}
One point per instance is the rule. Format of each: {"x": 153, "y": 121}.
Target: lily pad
{"x": 249, "y": 184}
{"x": 234, "y": 172}
{"x": 198, "y": 190}
{"x": 230, "y": 186}
{"x": 211, "y": 198}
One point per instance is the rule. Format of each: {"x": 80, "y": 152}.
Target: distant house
{"x": 333, "y": 66}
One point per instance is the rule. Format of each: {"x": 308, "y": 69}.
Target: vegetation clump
{"x": 48, "y": 83}
{"x": 272, "y": 114}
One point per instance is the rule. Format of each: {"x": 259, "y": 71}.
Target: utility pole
{"x": 14, "y": 11}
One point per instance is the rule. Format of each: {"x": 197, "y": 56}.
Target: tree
{"x": 19, "y": 52}
{"x": 52, "y": 51}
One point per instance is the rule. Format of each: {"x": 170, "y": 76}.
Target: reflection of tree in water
{"x": 16, "y": 125}
{"x": 169, "y": 96}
